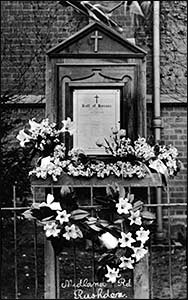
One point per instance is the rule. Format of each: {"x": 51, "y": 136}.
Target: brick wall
{"x": 29, "y": 28}
{"x": 174, "y": 131}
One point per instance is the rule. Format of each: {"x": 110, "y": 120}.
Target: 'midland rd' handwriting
{"x": 85, "y": 283}
{"x": 101, "y": 290}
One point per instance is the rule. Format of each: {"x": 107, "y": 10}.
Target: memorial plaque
{"x": 95, "y": 113}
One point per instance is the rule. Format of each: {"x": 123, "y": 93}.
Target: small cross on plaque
{"x": 96, "y": 37}
{"x": 96, "y": 97}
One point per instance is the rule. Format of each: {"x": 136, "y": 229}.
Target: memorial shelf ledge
{"x": 154, "y": 180}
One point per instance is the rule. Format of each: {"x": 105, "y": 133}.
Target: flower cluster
{"x": 57, "y": 222}
{"x": 161, "y": 158}
{"x": 124, "y": 239}
{"x": 129, "y": 243}
{"x": 130, "y": 158}
{"x": 101, "y": 169}
{"x": 43, "y": 136}
{"x": 49, "y": 143}
{"x": 168, "y": 155}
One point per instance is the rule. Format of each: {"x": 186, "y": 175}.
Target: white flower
{"x": 62, "y": 216}
{"x": 135, "y": 218}
{"x": 123, "y": 206}
{"x": 112, "y": 274}
{"x": 50, "y": 203}
{"x": 126, "y": 263}
{"x": 68, "y": 126}
{"x": 108, "y": 240}
{"x": 45, "y": 162}
{"x": 126, "y": 239}
{"x": 59, "y": 151}
{"x": 23, "y": 138}
{"x": 142, "y": 235}
{"x": 139, "y": 252}
{"x": 73, "y": 232}
{"x": 122, "y": 133}
{"x": 34, "y": 125}
{"x": 159, "y": 166}
{"x": 51, "y": 229}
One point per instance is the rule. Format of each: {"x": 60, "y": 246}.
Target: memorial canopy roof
{"x": 96, "y": 39}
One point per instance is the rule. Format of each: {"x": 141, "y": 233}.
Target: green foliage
{"x": 15, "y": 162}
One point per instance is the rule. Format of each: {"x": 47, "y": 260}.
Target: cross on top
{"x": 96, "y": 37}
{"x": 96, "y": 97}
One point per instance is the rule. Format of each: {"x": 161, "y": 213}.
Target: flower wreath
{"x": 128, "y": 158}
{"x": 121, "y": 243}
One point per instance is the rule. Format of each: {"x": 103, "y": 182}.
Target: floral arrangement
{"x": 128, "y": 158}
{"x": 121, "y": 241}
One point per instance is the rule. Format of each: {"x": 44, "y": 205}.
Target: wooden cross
{"x": 96, "y": 37}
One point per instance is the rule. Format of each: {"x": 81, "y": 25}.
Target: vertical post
{"x": 35, "y": 259}
{"x": 157, "y": 123}
{"x": 49, "y": 271}
{"x": 57, "y": 278}
{"x": 142, "y": 109}
{"x": 141, "y": 279}
{"x": 150, "y": 252}
{"x": 15, "y": 245}
{"x": 50, "y": 275}
{"x": 169, "y": 245}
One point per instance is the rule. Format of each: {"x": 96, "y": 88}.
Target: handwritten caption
{"x": 101, "y": 289}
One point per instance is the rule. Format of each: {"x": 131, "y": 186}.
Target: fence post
{"x": 49, "y": 271}
{"x": 141, "y": 279}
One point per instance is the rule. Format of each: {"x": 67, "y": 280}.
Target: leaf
{"x": 105, "y": 201}
{"x": 106, "y": 257}
{"x": 35, "y": 206}
{"x": 65, "y": 190}
{"x": 43, "y": 212}
{"x": 121, "y": 192}
{"x": 47, "y": 219}
{"x": 103, "y": 223}
{"x": 91, "y": 220}
{"x": 28, "y": 215}
{"x": 145, "y": 5}
{"x": 109, "y": 191}
{"x": 113, "y": 190}
{"x": 79, "y": 214}
{"x": 133, "y": 7}
{"x": 131, "y": 198}
{"x": 95, "y": 227}
{"x": 119, "y": 222}
{"x": 109, "y": 146}
{"x": 114, "y": 230}
{"x": 50, "y": 199}
{"x": 137, "y": 205}
{"x": 148, "y": 215}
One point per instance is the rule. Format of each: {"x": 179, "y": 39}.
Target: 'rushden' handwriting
{"x": 99, "y": 294}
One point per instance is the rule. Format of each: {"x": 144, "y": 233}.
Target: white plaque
{"x": 95, "y": 113}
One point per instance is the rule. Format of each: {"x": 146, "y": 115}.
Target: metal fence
{"x": 23, "y": 258}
